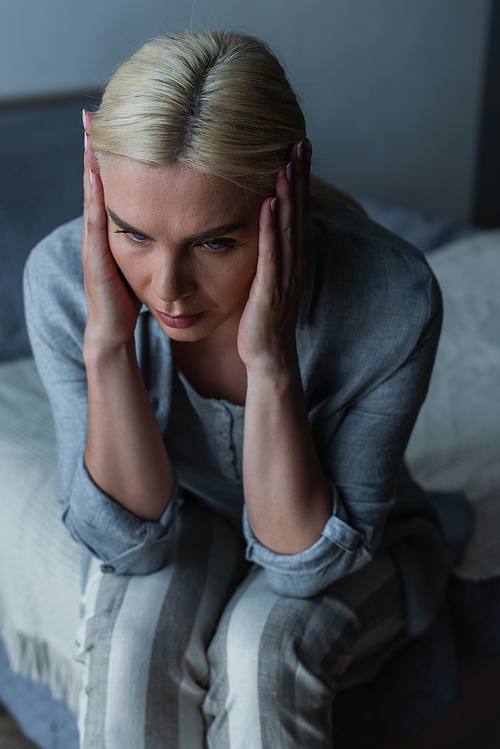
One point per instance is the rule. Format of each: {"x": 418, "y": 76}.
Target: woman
{"x": 218, "y": 355}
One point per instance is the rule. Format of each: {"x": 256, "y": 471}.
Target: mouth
{"x": 179, "y": 321}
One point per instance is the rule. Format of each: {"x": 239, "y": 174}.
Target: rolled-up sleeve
{"x": 361, "y": 453}
{"x": 341, "y": 549}
{"x": 123, "y": 542}
{"x": 56, "y": 316}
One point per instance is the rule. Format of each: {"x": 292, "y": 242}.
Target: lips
{"x": 179, "y": 321}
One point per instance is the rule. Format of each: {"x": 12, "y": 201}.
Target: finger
{"x": 86, "y": 182}
{"x": 306, "y": 165}
{"x": 299, "y": 154}
{"x": 296, "y": 157}
{"x": 285, "y": 221}
{"x": 307, "y": 175}
{"x": 308, "y": 170}
{"x": 89, "y": 158}
{"x": 86, "y": 174}
{"x": 87, "y": 166}
{"x": 95, "y": 235}
{"x": 90, "y": 175}
{"x": 97, "y": 218}
{"x": 268, "y": 264}
{"x": 304, "y": 154}
{"x": 89, "y": 161}
{"x": 87, "y": 120}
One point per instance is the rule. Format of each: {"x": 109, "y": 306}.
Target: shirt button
{"x": 107, "y": 568}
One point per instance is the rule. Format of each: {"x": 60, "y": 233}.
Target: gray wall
{"x": 392, "y": 89}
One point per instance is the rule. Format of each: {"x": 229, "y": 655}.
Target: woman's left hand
{"x": 266, "y": 335}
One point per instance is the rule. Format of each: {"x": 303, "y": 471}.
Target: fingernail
{"x": 299, "y": 150}
{"x": 84, "y": 118}
{"x": 91, "y": 173}
{"x": 86, "y": 141}
{"x": 273, "y": 205}
{"x": 309, "y": 152}
{"x": 289, "y": 171}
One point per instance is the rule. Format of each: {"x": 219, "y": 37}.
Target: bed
{"x": 455, "y": 445}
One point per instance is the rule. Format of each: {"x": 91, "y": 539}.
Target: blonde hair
{"x": 218, "y": 102}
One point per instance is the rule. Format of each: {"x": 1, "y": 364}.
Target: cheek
{"x": 114, "y": 246}
{"x": 238, "y": 279}
{"x": 132, "y": 268}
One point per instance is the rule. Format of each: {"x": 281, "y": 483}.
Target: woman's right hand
{"x": 112, "y": 306}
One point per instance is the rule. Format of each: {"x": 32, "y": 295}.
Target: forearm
{"x": 287, "y": 495}
{"x": 125, "y": 454}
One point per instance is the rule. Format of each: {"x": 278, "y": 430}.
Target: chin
{"x": 184, "y": 336}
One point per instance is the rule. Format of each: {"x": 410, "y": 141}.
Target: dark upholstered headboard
{"x": 41, "y": 187}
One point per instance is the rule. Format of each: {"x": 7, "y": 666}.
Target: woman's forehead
{"x": 173, "y": 196}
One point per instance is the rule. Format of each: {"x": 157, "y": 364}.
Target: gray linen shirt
{"x": 367, "y": 332}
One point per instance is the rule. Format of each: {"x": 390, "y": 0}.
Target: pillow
{"x": 40, "y": 576}
{"x": 456, "y": 440}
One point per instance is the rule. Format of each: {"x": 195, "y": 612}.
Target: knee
{"x": 261, "y": 657}
{"x": 259, "y": 633}
{"x": 272, "y": 635}
{"x": 125, "y": 612}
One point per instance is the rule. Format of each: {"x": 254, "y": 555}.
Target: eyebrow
{"x": 216, "y": 231}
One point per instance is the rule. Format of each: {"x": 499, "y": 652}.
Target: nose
{"x": 172, "y": 278}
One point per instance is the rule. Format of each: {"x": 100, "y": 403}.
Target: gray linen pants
{"x": 203, "y": 653}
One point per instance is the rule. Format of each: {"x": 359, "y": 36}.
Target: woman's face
{"x": 187, "y": 244}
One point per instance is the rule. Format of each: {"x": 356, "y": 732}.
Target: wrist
{"x": 282, "y": 366}
{"x": 97, "y": 354}
{"x": 275, "y": 380}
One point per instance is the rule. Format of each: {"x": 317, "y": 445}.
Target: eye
{"x": 134, "y": 237}
{"x": 218, "y": 245}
